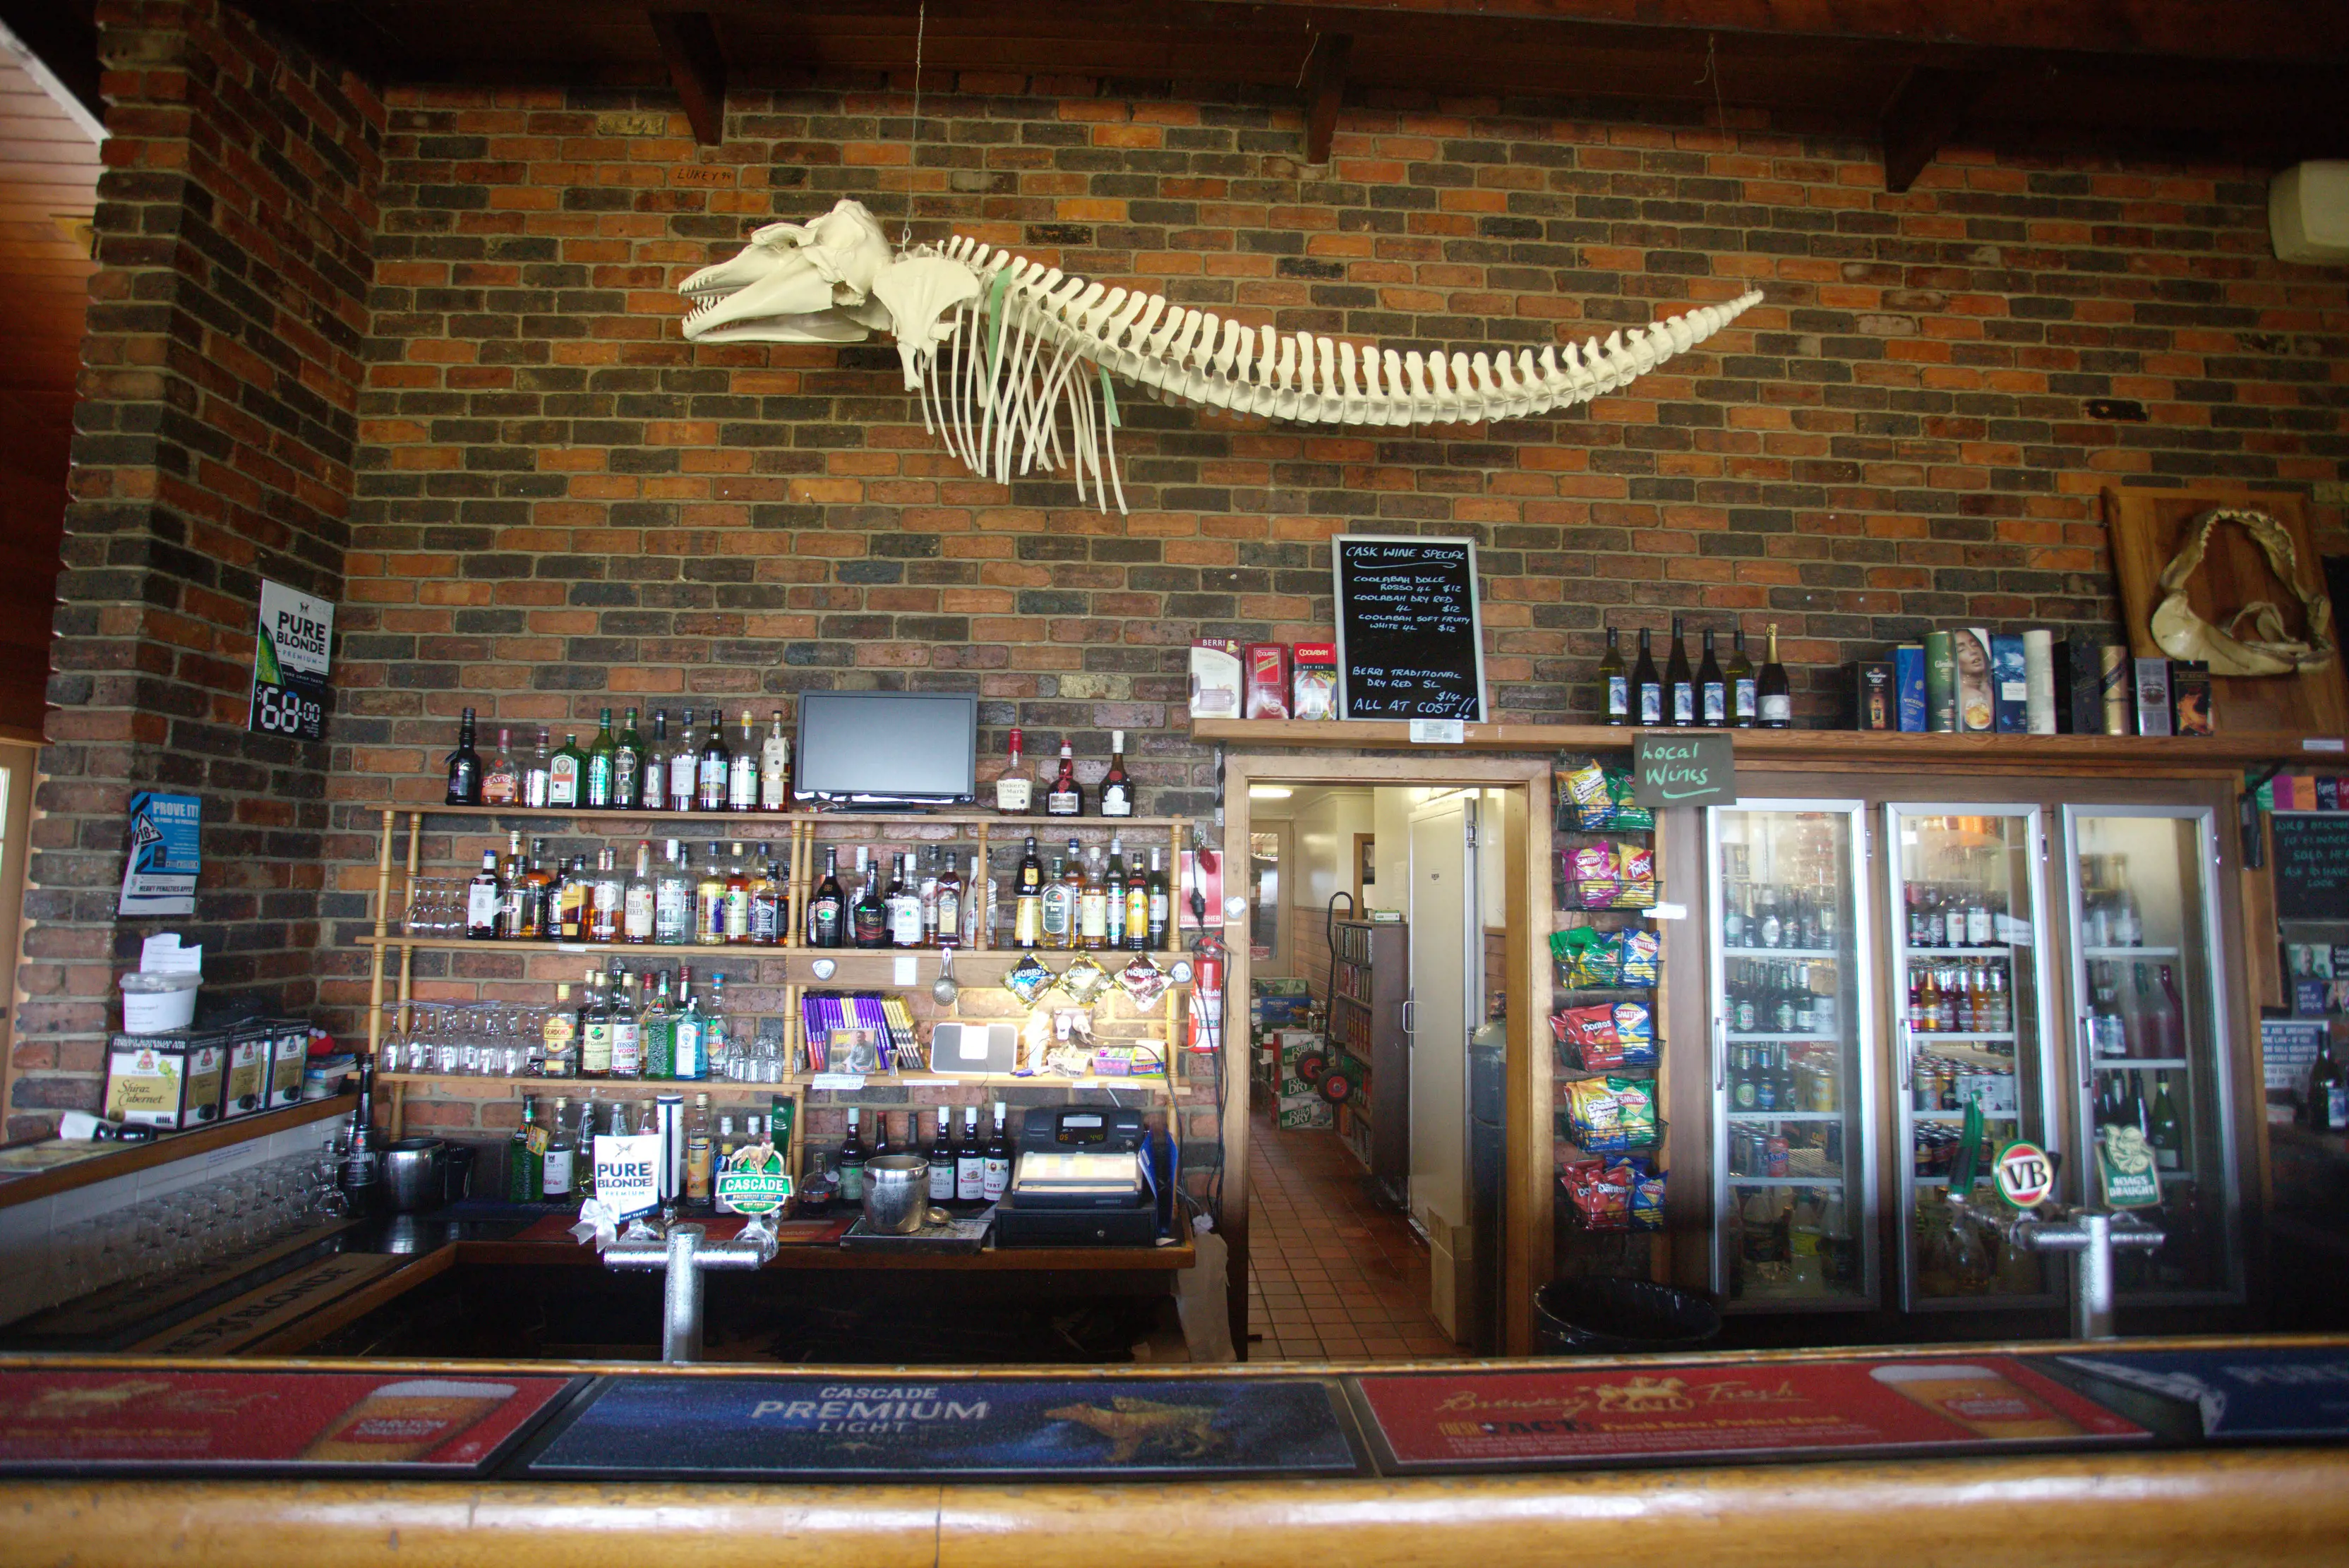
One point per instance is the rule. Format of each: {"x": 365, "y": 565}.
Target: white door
{"x": 1446, "y": 986}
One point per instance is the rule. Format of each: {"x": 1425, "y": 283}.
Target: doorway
{"x": 1367, "y": 977}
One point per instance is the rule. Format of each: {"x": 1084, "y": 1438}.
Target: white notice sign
{"x": 628, "y": 1173}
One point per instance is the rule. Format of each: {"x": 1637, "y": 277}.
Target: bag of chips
{"x": 1085, "y": 981}
{"x": 1636, "y": 958}
{"x": 1027, "y": 979}
{"x": 1145, "y": 982}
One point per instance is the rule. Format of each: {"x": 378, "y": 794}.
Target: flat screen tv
{"x": 887, "y": 748}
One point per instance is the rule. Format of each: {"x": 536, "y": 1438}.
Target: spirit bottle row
{"x": 623, "y": 772}
{"x": 1086, "y": 903}
{"x": 1064, "y": 796}
{"x": 967, "y": 1174}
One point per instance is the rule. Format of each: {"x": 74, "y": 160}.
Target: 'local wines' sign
{"x": 1408, "y": 642}
{"x": 1683, "y": 770}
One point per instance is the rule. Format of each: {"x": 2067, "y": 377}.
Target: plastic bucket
{"x": 1603, "y": 1316}
{"x": 156, "y": 1003}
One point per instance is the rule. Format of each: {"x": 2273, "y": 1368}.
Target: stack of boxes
{"x": 1280, "y": 1014}
{"x": 190, "y": 1078}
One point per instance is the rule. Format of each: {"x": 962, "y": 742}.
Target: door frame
{"x": 1527, "y": 1204}
{"x": 1472, "y": 969}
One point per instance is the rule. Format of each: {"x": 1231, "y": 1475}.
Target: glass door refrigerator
{"x": 1968, "y": 971}
{"x": 1793, "y": 1088}
{"x": 2148, "y": 989}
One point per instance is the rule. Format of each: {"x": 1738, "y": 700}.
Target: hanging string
{"x": 1713, "y": 75}
{"x": 914, "y": 142}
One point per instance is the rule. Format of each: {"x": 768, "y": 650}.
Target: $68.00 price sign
{"x": 281, "y": 710}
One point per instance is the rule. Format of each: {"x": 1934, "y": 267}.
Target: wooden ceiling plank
{"x": 1924, "y": 113}
{"x": 696, "y": 66}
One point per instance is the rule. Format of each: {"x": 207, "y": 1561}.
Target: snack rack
{"x": 1597, "y": 1229}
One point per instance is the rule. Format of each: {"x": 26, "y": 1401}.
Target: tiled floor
{"x": 1330, "y": 1277}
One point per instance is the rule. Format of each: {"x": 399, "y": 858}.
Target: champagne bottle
{"x": 1776, "y": 698}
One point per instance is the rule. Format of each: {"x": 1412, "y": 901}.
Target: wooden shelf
{"x": 794, "y": 1080}
{"x": 854, "y": 968}
{"x": 1813, "y": 748}
{"x": 1042, "y": 826}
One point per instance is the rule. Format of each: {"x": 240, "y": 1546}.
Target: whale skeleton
{"x": 997, "y": 348}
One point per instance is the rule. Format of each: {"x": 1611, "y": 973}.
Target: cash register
{"x": 1079, "y": 1181}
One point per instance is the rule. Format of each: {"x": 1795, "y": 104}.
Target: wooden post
{"x": 406, "y": 954}
{"x": 382, "y": 902}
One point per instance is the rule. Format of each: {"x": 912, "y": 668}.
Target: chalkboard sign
{"x": 1408, "y": 642}
{"x": 2312, "y": 865}
{"x": 1683, "y": 771}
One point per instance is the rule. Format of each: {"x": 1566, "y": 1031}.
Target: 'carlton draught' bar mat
{"x": 941, "y": 1428}
{"x": 1653, "y": 1414}
{"x": 138, "y": 1421}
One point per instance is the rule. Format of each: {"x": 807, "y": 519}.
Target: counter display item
{"x": 170, "y": 1081}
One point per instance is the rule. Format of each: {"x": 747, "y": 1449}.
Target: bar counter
{"x": 2162, "y": 1501}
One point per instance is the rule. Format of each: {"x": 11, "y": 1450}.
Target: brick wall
{"x": 557, "y": 498}
{"x": 212, "y": 447}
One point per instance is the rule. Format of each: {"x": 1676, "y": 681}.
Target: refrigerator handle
{"x": 2080, "y": 1027}
{"x": 1907, "y": 1056}
{"x": 1720, "y": 1053}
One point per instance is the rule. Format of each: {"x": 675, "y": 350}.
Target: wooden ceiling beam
{"x": 1924, "y": 113}
{"x": 1325, "y": 90}
{"x": 696, "y": 66}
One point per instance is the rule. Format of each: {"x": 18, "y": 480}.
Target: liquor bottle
{"x": 673, "y": 899}
{"x": 742, "y": 770}
{"x": 689, "y": 1032}
{"x": 1137, "y": 910}
{"x": 848, "y": 1165}
{"x": 942, "y": 1163}
{"x": 1014, "y": 791}
{"x": 995, "y": 1175}
{"x": 536, "y": 773}
{"x": 500, "y": 782}
{"x": 1647, "y": 686}
{"x": 2167, "y": 1134}
{"x": 883, "y": 1147}
{"x": 926, "y": 890}
{"x": 901, "y": 907}
{"x": 970, "y": 1159}
{"x": 637, "y": 899}
{"x": 951, "y": 895}
{"x": 1116, "y": 789}
{"x": 710, "y": 904}
{"x": 1060, "y": 905}
{"x": 738, "y": 898}
{"x": 1771, "y": 691}
{"x": 596, "y": 785}
{"x": 524, "y": 1181}
{"x": 767, "y": 915}
{"x": 1162, "y": 905}
{"x": 652, "y": 787}
{"x": 595, "y": 1030}
{"x": 1614, "y": 684}
{"x": 558, "y": 1038}
{"x": 1028, "y": 893}
{"x": 562, "y": 771}
{"x": 513, "y": 889}
{"x": 716, "y": 1053}
{"x": 721, "y": 1150}
{"x": 559, "y": 1169}
{"x": 607, "y": 900}
{"x": 465, "y": 765}
{"x": 1066, "y": 797}
{"x": 656, "y": 1030}
{"x": 627, "y": 1027}
{"x": 1712, "y": 689}
{"x": 978, "y": 906}
{"x": 1744, "y": 704}
{"x": 628, "y": 765}
{"x": 775, "y": 766}
{"x": 716, "y": 762}
{"x": 1093, "y": 906}
{"x": 869, "y": 917}
{"x": 698, "y": 1157}
{"x": 684, "y": 767}
{"x": 827, "y": 911}
{"x": 481, "y": 900}
{"x": 1113, "y": 888}
{"x": 1680, "y": 687}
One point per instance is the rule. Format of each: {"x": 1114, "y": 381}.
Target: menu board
{"x": 1505, "y": 1420}
{"x": 80, "y": 1423}
{"x": 2312, "y": 865}
{"x": 1408, "y": 641}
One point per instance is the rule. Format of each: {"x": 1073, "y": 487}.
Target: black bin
{"x": 1602, "y": 1316}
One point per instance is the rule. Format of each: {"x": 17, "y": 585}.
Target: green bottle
{"x": 660, "y": 1033}
{"x": 524, "y": 1179}
{"x": 563, "y": 773}
{"x": 602, "y": 759}
{"x": 628, "y": 765}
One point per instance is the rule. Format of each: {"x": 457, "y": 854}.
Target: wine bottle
{"x": 942, "y": 1161}
{"x": 652, "y": 787}
{"x": 1647, "y": 687}
{"x": 628, "y": 765}
{"x": 1743, "y": 703}
{"x": 1116, "y": 789}
{"x": 1680, "y": 687}
{"x": 1712, "y": 689}
{"x": 742, "y": 771}
{"x": 465, "y": 765}
{"x": 1614, "y": 684}
{"x": 710, "y": 772}
{"x": 827, "y": 912}
{"x": 684, "y": 766}
{"x": 1776, "y": 699}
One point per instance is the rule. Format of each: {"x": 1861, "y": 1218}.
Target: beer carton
{"x": 1303, "y": 1110}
